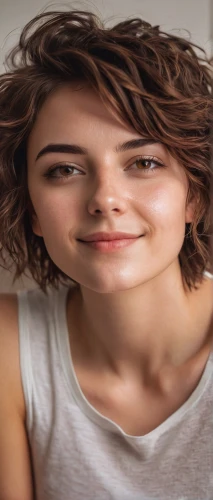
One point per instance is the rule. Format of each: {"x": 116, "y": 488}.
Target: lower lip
{"x": 109, "y": 246}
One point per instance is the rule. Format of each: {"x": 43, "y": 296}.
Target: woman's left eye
{"x": 147, "y": 164}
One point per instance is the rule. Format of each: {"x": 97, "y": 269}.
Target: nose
{"x": 107, "y": 198}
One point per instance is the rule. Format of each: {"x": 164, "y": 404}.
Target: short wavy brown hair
{"x": 155, "y": 81}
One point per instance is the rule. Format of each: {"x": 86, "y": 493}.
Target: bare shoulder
{"x": 8, "y": 304}
{"x": 10, "y": 371}
{"x": 15, "y": 471}
{"x": 8, "y": 316}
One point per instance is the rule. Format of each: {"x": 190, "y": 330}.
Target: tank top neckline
{"x": 65, "y": 352}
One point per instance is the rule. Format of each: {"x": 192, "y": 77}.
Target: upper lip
{"x": 102, "y": 236}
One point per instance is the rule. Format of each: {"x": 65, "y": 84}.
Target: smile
{"x": 110, "y": 245}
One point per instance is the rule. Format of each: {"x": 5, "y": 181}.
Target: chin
{"x": 114, "y": 285}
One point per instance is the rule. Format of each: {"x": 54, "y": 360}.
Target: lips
{"x": 109, "y": 242}
{"x": 103, "y": 236}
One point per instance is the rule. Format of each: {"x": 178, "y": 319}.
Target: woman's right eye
{"x": 67, "y": 169}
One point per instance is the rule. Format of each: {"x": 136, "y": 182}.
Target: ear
{"x": 36, "y": 225}
{"x": 34, "y": 220}
{"x": 191, "y": 207}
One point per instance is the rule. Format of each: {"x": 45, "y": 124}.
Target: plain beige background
{"x": 179, "y": 15}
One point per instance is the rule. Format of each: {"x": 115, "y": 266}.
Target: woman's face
{"x": 97, "y": 186}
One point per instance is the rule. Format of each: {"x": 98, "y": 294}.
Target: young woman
{"x": 106, "y": 367}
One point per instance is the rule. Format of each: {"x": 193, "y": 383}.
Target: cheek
{"x": 165, "y": 207}
{"x": 56, "y": 213}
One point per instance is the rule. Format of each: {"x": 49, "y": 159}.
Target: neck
{"x": 146, "y": 328}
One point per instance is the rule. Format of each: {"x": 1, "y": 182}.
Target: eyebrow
{"x": 78, "y": 150}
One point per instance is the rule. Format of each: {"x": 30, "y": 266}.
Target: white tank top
{"x": 77, "y": 453}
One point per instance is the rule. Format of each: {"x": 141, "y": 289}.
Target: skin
{"x": 131, "y": 319}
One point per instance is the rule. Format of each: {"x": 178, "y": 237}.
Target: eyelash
{"x": 49, "y": 173}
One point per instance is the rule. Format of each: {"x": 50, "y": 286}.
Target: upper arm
{"x": 15, "y": 465}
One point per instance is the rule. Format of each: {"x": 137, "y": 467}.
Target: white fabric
{"x": 77, "y": 453}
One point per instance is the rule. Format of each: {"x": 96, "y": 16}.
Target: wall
{"x": 192, "y": 15}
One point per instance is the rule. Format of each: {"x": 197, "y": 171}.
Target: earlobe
{"x": 191, "y": 207}
{"x": 34, "y": 220}
{"x": 36, "y": 226}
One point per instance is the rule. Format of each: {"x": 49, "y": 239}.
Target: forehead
{"x": 75, "y": 108}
